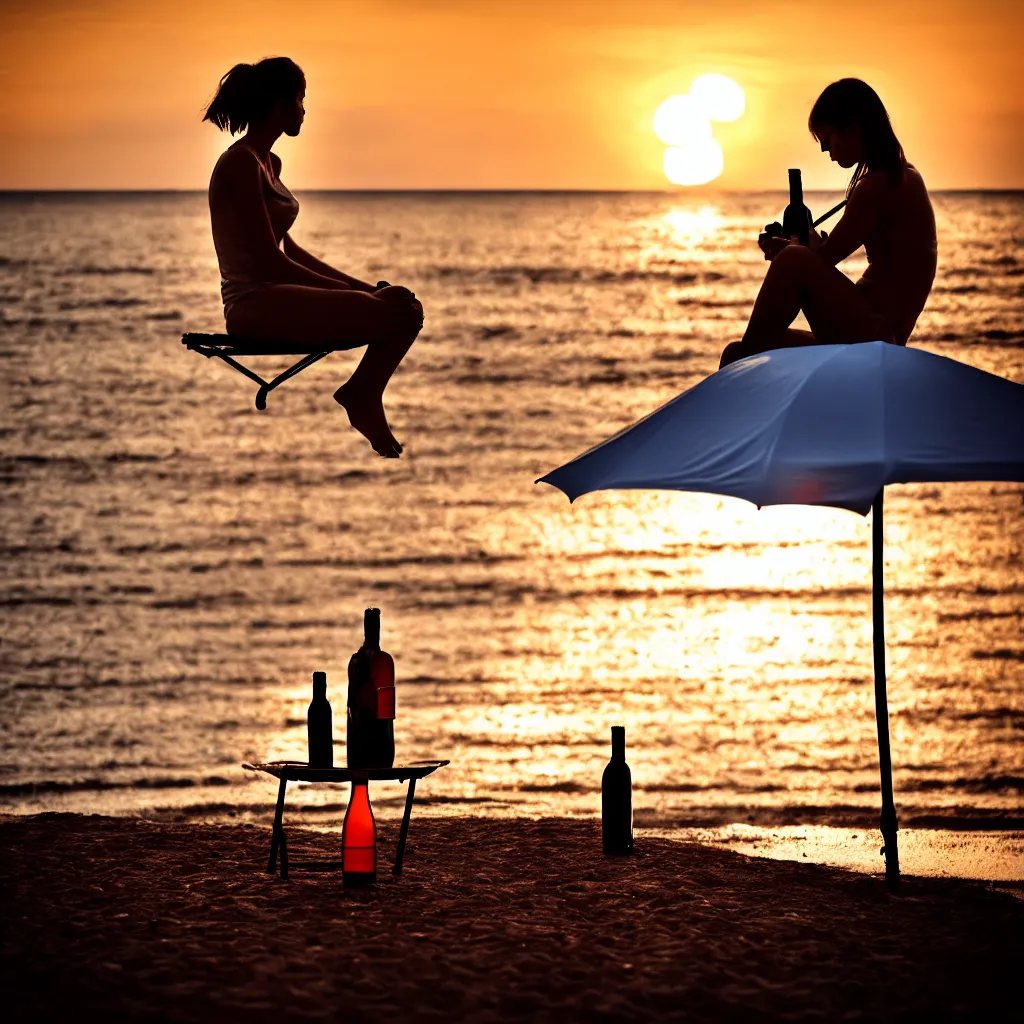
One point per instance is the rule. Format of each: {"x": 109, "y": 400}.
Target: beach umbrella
{"x": 822, "y": 425}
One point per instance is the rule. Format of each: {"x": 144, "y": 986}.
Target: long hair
{"x": 850, "y": 102}
{"x": 248, "y": 92}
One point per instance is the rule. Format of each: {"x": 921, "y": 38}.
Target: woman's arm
{"x": 297, "y": 254}
{"x": 858, "y": 221}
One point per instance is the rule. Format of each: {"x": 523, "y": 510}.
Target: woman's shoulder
{"x": 870, "y": 191}
{"x": 878, "y": 188}
{"x": 913, "y": 176}
{"x": 237, "y": 161}
{"x": 873, "y": 183}
{"x": 242, "y": 156}
{"x": 238, "y": 155}
{"x": 885, "y": 180}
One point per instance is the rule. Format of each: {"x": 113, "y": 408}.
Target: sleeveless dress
{"x": 238, "y": 275}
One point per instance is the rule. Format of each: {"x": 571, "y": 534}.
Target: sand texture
{"x": 117, "y": 919}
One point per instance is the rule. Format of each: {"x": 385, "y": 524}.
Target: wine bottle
{"x": 371, "y": 700}
{"x": 796, "y": 220}
{"x": 617, "y": 799}
{"x": 320, "y": 725}
{"x": 359, "y": 838}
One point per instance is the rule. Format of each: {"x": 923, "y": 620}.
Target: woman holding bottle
{"x": 888, "y": 212}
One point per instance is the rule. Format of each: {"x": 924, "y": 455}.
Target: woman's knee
{"x": 412, "y": 321}
{"x": 794, "y": 261}
{"x": 403, "y": 322}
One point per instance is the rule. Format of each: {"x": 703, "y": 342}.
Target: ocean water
{"x": 176, "y": 564}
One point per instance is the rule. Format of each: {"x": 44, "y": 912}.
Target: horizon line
{"x": 698, "y": 191}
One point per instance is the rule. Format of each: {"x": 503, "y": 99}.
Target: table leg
{"x": 400, "y": 853}
{"x": 277, "y": 835}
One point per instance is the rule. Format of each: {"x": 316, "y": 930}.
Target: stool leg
{"x": 400, "y": 853}
{"x": 277, "y": 835}
{"x": 268, "y": 386}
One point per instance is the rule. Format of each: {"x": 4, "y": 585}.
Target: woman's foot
{"x": 366, "y": 414}
{"x": 733, "y": 351}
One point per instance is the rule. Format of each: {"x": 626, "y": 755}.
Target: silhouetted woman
{"x": 888, "y": 212}
{"x": 272, "y": 288}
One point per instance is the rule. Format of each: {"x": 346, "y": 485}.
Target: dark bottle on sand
{"x": 796, "y": 220}
{"x": 371, "y": 700}
{"x": 359, "y": 838}
{"x": 617, "y": 799}
{"x": 320, "y": 725}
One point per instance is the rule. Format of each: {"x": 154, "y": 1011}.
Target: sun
{"x": 679, "y": 121}
{"x": 683, "y": 123}
{"x": 719, "y": 97}
{"x": 695, "y": 164}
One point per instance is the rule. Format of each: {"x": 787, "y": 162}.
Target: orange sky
{"x": 503, "y": 94}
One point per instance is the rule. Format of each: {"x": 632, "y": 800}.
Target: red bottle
{"x": 359, "y": 838}
{"x": 371, "y": 701}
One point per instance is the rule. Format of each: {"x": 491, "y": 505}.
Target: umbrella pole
{"x": 890, "y": 850}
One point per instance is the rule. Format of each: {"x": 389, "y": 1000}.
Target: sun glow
{"x": 683, "y": 123}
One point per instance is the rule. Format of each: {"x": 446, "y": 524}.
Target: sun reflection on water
{"x": 692, "y": 227}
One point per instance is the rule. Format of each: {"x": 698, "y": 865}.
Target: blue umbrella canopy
{"x": 822, "y": 425}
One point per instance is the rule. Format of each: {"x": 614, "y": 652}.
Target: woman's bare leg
{"x": 319, "y": 316}
{"x": 793, "y": 338}
{"x": 836, "y": 311}
{"x": 362, "y": 395}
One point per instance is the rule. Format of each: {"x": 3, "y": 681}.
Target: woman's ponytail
{"x": 248, "y": 92}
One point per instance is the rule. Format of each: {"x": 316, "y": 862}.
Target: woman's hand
{"x": 772, "y": 245}
{"x": 395, "y": 293}
{"x": 814, "y": 240}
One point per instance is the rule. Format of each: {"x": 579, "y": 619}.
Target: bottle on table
{"x": 796, "y": 220}
{"x": 617, "y": 799}
{"x": 320, "y": 725}
{"x": 371, "y": 700}
{"x": 359, "y": 838}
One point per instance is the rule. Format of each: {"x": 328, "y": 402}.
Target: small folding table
{"x": 300, "y": 771}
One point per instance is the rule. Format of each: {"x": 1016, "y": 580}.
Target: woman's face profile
{"x": 844, "y": 147}
{"x": 292, "y": 113}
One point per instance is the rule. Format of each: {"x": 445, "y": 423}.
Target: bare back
{"x": 901, "y": 250}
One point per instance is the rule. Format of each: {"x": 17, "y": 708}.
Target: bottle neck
{"x": 618, "y": 743}
{"x": 371, "y": 629}
{"x": 796, "y": 186}
{"x": 319, "y": 686}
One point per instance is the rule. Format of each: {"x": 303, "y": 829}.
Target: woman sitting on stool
{"x": 888, "y": 212}
{"x": 283, "y": 293}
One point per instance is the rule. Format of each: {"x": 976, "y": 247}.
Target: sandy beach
{"x": 491, "y": 921}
